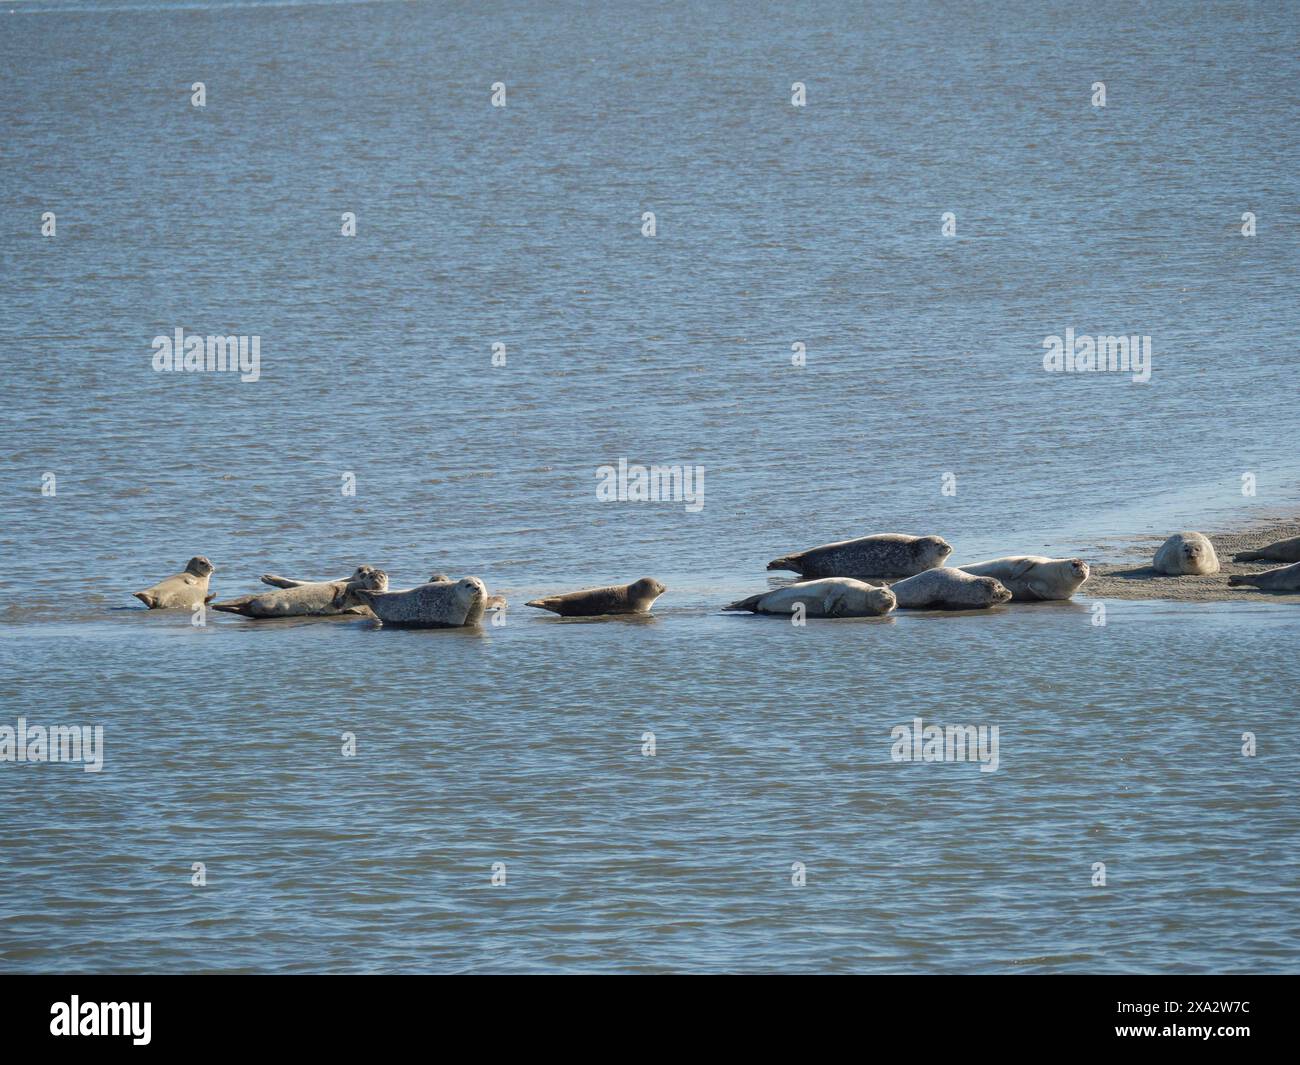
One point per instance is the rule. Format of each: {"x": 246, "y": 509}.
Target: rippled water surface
{"x": 522, "y": 744}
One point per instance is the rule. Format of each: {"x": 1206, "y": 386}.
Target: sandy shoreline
{"x": 1140, "y": 581}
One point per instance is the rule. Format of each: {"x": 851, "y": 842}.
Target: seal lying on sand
{"x": 186, "y": 589}
{"x": 831, "y": 597}
{"x": 1034, "y": 577}
{"x": 1282, "y": 579}
{"x": 437, "y": 605}
{"x": 288, "y": 582}
{"x": 1186, "y": 553}
{"x": 494, "y": 602}
{"x": 1281, "y": 551}
{"x": 882, "y": 555}
{"x": 949, "y": 589}
{"x": 312, "y": 599}
{"x": 635, "y": 598}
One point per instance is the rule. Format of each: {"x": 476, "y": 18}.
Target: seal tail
{"x": 790, "y": 562}
{"x": 1238, "y": 580}
{"x": 549, "y": 603}
{"x": 236, "y": 606}
{"x": 147, "y": 599}
{"x": 750, "y": 604}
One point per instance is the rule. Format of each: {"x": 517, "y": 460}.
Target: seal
{"x": 186, "y": 589}
{"x": 949, "y": 589}
{"x": 1282, "y": 579}
{"x": 288, "y": 582}
{"x": 881, "y": 555}
{"x": 436, "y": 605}
{"x": 830, "y": 597}
{"x": 1033, "y": 578}
{"x": 635, "y": 598}
{"x": 1186, "y": 553}
{"x": 310, "y": 599}
{"x": 1281, "y": 551}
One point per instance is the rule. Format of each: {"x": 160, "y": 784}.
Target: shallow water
{"x": 522, "y": 743}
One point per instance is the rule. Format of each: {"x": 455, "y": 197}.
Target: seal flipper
{"x": 276, "y": 581}
{"x": 237, "y": 606}
{"x": 750, "y": 604}
{"x": 147, "y": 599}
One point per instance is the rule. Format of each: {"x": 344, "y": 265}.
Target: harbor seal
{"x": 311, "y": 599}
{"x": 635, "y": 598}
{"x": 1282, "y": 579}
{"x": 949, "y": 589}
{"x": 437, "y": 605}
{"x": 1032, "y": 578}
{"x": 1186, "y": 553}
{"x": 289, "y": 582}
{"x": 882, "y": 555}
{"x": 1281, "y": 551}
{"x": 830, "y": 597}
{"x": 186, "y": 589}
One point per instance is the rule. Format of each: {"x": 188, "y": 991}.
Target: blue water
{"x": 522, "y": 225}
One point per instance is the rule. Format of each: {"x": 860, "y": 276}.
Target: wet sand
{"x": 1140, "y": 581}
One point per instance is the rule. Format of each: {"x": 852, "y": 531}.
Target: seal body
{"x": 1032, "y": 578}
{"x": 1281, "y": 551}
{"x": 881, "y": 555}
{"x": 289, "y": 582}
{"x": 1186, "y": 553}
{"x": 436, "y": 605}
{"x": 635, "y": 598}
{"x": 829, "y": 597}
{"x": 1282, "y": 579}
{"x": 949, "y": 589}
{"x": 310, "y": 599}
{"x": 186, "y": 589}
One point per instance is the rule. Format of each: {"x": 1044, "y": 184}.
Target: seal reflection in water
{"x": 635, "y": 598}
{"x": 881, "y": 555}
{"x": 831, "y": 597}
{"x": 186, "y": 589}
{"x": 437, "y": 605}
{"x": 309, "y": 599}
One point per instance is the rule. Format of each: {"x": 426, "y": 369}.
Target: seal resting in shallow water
{"x": 437, "y": 605}
{"x": 1186, "y": 553}
{"x": 1281, "y": 551}
{"x": 185, "y": 589}
{"x": 1282, "y": 579}
{"x": 1033, "y": 578}
{"x": 310, "y": 599}
{"x": 881, "y": 555}
{"x": 635, "y": 598}
{"x": 949, "y": 589}
{"x": 830, "y": 597}
{"x": 289, "y": 582}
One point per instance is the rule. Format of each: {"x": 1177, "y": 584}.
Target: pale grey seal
{"x": 312, "y": 599}
{"x": 830, "y": 597}
{"x": 1281, "y": 551}
{"x": 881, "y": 555}
{"x": 1186, "y": 553}
{"x": 634, "y": 598}
{"x": 1282, "y": 579}
{"x": 440, "y": 604}
{"x": 186, "y": 589}
{"x": 1034, "y": 577}
{"x": 949, "y": 589}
